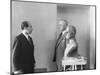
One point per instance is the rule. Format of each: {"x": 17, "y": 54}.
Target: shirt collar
{"x": 24, "y": 32}
{"x": 63, "y": 32}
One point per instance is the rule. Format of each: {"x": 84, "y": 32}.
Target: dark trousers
{"x": 25, "y": 69}
{"x": 28, "y": 68}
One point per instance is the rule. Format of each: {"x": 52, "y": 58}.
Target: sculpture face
{"x": 70, "y": 32}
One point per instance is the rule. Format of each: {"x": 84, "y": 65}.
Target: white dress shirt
{"x": 26, "y": 35}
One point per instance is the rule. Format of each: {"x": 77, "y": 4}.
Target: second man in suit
{"x": 60, "y": 44}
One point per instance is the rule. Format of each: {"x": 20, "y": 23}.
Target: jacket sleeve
{"x": 16, "y": 53}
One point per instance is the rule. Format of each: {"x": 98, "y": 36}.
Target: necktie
{"x": 30, "y": 40}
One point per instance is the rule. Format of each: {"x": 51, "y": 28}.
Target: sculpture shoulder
{"x": 74, "y": 42}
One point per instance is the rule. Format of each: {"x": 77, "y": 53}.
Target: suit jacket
{"x": 23, "y": 53}
{"x": 59, "y": 47}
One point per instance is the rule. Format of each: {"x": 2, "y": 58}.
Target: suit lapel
{"x": 62, "y": 37}
{"x": 26, "y": 39}
{"x": 58, "y": 40}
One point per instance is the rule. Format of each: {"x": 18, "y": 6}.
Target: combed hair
{"x": 24, "y": 24}
{"x": 63, "y": 20}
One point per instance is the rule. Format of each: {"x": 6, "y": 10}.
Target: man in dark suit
{"x": 23, "y": 51}
{"x": 60, "y": 44}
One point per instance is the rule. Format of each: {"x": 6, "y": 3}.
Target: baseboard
{"x": 40, "y": 70}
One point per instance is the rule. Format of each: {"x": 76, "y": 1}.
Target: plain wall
{"x": 83, "y": 19}
{"x": 42, "y": 16}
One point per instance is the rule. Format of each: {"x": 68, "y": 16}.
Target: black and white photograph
{"x": 52, "y": 37}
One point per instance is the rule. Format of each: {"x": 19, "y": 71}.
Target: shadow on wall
{"x": 88, "y": 52}
{"x": 51, "y": 65}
